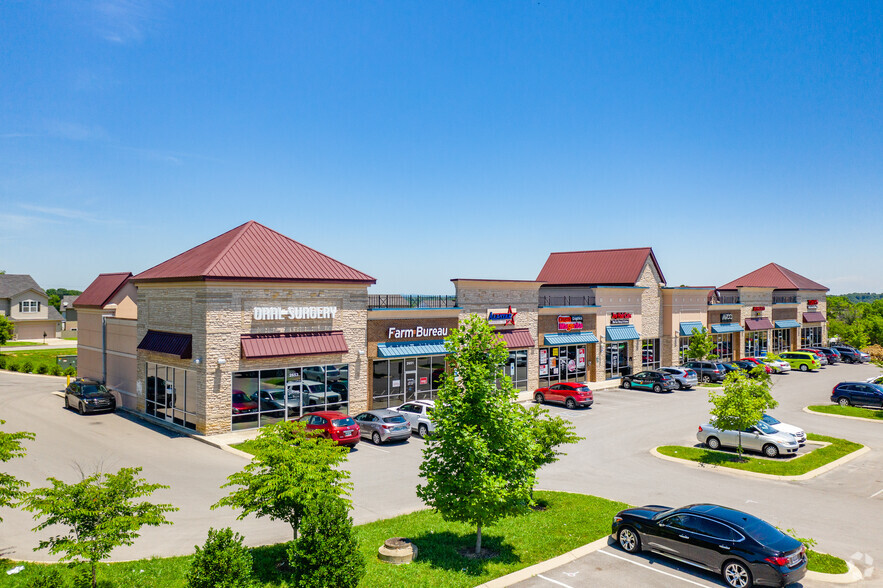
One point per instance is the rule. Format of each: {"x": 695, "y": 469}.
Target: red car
{"x": 756, "y": 361}
{"x": 333, "y": 425}
{"x": 570, "y": 394}
{"x": 242, "y": 403}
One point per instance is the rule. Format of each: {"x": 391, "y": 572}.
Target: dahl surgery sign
{"x": 275, "y": 313}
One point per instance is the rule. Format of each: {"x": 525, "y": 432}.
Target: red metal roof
{"x": 813, "y": 317}
{"x": 775, "y": 276}
{"x": 254, "y": 252}
{"x": 288, "y": 344}
{"x": 101, "y": 290}
{"x": 621, "y": 267}
{"x": 177, "y": 344}
{"x": 516, "y": 338}
{"x": 758, "y": 324}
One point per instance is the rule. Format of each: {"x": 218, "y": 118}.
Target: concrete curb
{"x": 840, "y": 416}
{"x": 222, "y": 446}
{"x": 807, "y": 476}
{"x": 545, "y": 566}
{"x": 852, "y": 575}
{"x": 5, "y": 371}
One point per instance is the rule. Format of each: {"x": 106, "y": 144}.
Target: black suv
{"x": 741, "y": 547}
{"x": 858, "y": 394}
{"x": 831, "y": 354}
{"x": 708, "y": 371}
{"x": 848, "y": 354}
{"x": 86, "y": 395}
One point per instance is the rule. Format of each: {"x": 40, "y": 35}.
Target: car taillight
{"x": 387, "y": 427}
{"x": 777, "y": 561}
{"x": 700, "y": 428}
{"x": 717, "y": 371}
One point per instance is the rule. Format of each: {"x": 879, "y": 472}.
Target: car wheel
{"x": 81, "y": 408}
{"x": 713, "y": 443}
{"x": 770, "y": 450}
{"x": 626, "y": 384}
{"x": 843, "y": 401}
{"x": 67, "y": 403}
{"x": 657, "y": 388}
{"x": 706, "y": 379}
{"x": 736, "y": 575}
{"x": 423, "y": 431}
{"x": 539, "y": 398}
{"x": 680, "y": 386}
{"x": 570, "y": 403}
{"x": 375, "y": 438}
{"x": 804, "y": 367}
{"x": 629, "y": 540}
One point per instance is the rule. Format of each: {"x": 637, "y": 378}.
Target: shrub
{"x": 48, "y": 577}
{"x": 12, "y": 367}
{"x": 27, "y": 367}
{"x": 326, "y": 555}
{"x": 42, "y": 369}
{"x": 55, "y": 370}
{"x": 70, "y": 371}
{"x": 2, "y": 362}
{"x": 223, "y": 562}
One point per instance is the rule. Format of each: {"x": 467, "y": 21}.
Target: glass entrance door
{"x": 410, "y": 379}
{"x": 616, "y": 359}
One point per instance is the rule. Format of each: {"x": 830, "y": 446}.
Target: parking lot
{"x": 841, "y": 509}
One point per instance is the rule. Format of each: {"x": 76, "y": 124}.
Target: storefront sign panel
{"x": 620, "y": 318}
{"x": 570, "y": 322}
{"x": 416, "y": 333}
{"x": 501, "y": 316}
{"x": 275, "y": 313}
{"x": 726, "y": 317}
{"x": 581, "y": 357}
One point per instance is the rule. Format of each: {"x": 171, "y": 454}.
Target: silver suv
{"x": 418, "y": 412}
{"x": 685, "y": 378}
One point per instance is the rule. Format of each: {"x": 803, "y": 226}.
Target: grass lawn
{"x": 246, "y": 446}
{"x": 710, "y": 385}
{"x": 824, "y": 563}
{"x": 570, "y": 521}
{"x": 36, "y": 357}
{"x": 785, "y": 466}
{"x": 853, "y": 411}
{"x": 21, "y": 344}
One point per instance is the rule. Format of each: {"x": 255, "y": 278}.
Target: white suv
{"x": 417, "y": 413}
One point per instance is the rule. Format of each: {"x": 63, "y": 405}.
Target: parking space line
{"x": 553, "y": 581}
{"x": 366, "y": 446}
{"x": 875, "y": 493}
{"x": 653, "y": 569}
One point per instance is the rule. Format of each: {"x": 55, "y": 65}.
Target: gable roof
{"x": 101, "y": 290}
{"x": 602, "y": 267}
{"x": 253, "y": 252}
{"x": 12, "y": 284}
{"x": 775, "y": 276}
{"x": 68, "y": 300}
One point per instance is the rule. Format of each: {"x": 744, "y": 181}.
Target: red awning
{"x": 517, "y": 338}
{"x": 758, "y": 324}
{"x": 813, "y": 317}
{"x": 288, "y": 344}
{"x": 177, "y": 344}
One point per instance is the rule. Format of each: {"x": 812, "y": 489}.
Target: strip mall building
{"x": 252, "y": 327}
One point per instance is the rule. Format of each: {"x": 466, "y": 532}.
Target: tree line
{"x": 856, "y": 319}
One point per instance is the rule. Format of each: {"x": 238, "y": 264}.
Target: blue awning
{"x": 789, "y": 324}
{"x": 687, "y": 328}
{"x": 411, "y": 348}
{"x": 622, "y": 333}
{"x": 726, "y": 328}
{"x": 569, "y": 338}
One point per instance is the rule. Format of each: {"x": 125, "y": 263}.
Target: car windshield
{"x": 770, "y": 420}
{"x": 240, "y": 397}
{"x": 765, "y": 428}
{"x": 276, "y": 394}
{"x": 394, "y": 419}
{"x": 94, "y": 390}
{"x": 343, "y": 422}
{"x": 877, "y": 387}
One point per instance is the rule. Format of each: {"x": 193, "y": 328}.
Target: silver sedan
{"x": 761, "y": 437}
{"x": 383, "y": 425}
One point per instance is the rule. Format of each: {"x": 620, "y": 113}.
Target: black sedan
{"x": 86, "y": 395}
{"x": 649, "y": 380}
{"x": 742, "y": 548}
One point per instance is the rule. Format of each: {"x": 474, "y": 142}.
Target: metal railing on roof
{"x": 717, "y": 299}
{"x": 567, "y": 301}
{"x": 784, "y": 299}
{"x": 411, "y": 301}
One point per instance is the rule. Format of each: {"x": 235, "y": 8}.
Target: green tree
{"x": 549, "y": 433}
{"x": 11, "y": 488}
{"x": 327, "y": 554}
{"x": 701, "y": 345}
{"x": 101, "y": 511}
{"x": 480, "y": 463}
{"x": 742, "y": 401}
{"x": 223, "y": 562}
{"x": 290, "y": 470}
{"x": 6, "y": 329}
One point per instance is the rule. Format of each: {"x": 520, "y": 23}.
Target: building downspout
{"x": 104, "y": 318}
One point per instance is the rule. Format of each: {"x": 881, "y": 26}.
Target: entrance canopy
{"x": 813, "y": 317}
{"x": 177, "y": 344}
{"x": 688, "y": 326}
{"x": 622, "y": 333}
{"x": 289, "y": 344}
{"x": 569, "y": 338}
{"x": 516, "y": 338}
{"x": 758, "y": 324}
{"x": 726, "y": 328}
{"x": 787, "y": 324}
{"x": 411, "y": 348}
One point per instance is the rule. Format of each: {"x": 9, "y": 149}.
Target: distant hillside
{"x": 862, "y": 297}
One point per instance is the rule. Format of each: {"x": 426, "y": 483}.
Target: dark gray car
{"x": 383, "y": 425}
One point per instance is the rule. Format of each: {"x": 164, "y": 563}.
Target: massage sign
{"x": 620, "y": 318}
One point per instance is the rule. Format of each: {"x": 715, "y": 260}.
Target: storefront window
{"x": 781, "y": 340}
{"x": 723, "y": 346}
{"x": 516, "y": 368}
{"x": 568, "y": 363}
{"x": 683, "y": 346}
{"x": 755, "y": 343}
{"x": 650, "y": 356}
{"x": 810, "y": 336}
{"x": 170, "y": 394}
{"x": 265, "y": 397}
{"x": 616, "y": 360}
{"x": 396, "y": 381}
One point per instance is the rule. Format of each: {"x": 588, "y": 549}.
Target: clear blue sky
{"x": 424, "y": 141}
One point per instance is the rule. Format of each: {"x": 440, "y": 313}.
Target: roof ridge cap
{"x": 242, "y": 228}
{"x": 601, "y": 250}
